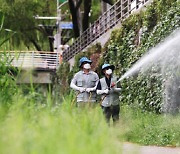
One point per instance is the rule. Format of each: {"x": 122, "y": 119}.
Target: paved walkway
{"x": 129, "y": 148}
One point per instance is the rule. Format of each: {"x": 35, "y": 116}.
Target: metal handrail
{"x": 117, "y": 13}
{"x": 31, "y": 59}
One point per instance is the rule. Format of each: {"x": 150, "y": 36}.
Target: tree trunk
{"x": 78, "y": 24}
{"x": 51, "y": 42}
{"x": 87, "y": 8}
{"x": 108, "y": 1}
{"x": 74, "y": 7}
{"x": 35, "y": 44}
{"x": 49, "y": 33}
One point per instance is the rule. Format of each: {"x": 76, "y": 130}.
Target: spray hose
{"x": 103, "y": 99}
{"x": 90, "y": 95}
{"x": 75, "y": 98}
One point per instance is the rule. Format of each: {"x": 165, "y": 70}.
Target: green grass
{"x": 149, "y": 128}
{"x": 32, "y": 124}
{"x": 41, "y": 128}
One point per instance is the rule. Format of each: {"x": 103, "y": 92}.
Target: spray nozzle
{"x": 112, "y": 85}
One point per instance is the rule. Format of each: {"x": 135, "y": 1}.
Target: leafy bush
{"x": 7, "y": 84}
{"x": 63, "y": 78}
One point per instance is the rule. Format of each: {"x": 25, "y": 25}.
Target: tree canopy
{"x": 80, "y": 10}
{"x": 39, "y": 34}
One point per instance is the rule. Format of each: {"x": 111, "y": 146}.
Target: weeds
{"x": 149, "y": 128}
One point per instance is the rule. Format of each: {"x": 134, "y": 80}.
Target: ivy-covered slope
{"x": 124, "y": 49}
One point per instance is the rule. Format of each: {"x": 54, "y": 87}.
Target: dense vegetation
{"x": 124, "y": 50}
{"x": 30, "y": 127}
{"x": 148, "y": 128}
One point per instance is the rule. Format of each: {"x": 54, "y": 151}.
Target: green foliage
{"x": 95, "y": 11}
{"x": 149, "y": 128}
{"x": 1, "y": 20}
{"x": 29, "y": 128}
{"x": 7, "y": 85}
{"x": 147, "y": 97}
{"x": 124, "y": 50}
{"x": 32, "y": 34}
{"x": 8, "y": 33}
{"x": 20, "y": 19}
{"x": 63, "y": 78}
{"x": 7, "y": 81}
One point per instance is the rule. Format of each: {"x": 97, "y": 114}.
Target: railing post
{"x": 121, "y": 9}
{"x": 57, "y": 59}
{"x": 128, "y": 7}
{"x": 115, "y": 6}
{"x": 33, "y": 58}
{"x": 80, "y": 43}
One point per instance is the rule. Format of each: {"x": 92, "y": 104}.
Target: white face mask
{"x": 87, "y": 66}
{"x": 109, "y": 71}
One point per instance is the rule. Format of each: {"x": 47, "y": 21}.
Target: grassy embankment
{"x": 29, "y": 127}
{"x": 148, "y": 128}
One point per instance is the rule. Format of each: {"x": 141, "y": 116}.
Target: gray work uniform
{"x": 83, "y": 80}
{"x": 113, "y": 97}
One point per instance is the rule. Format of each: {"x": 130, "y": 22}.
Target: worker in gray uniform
{"x": 85, "y": 83}
{"x": 109, "y": 93}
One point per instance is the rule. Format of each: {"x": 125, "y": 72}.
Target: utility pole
{"x": 57, "y": 43}
{"x": 58, "y": 22}
{"x": 58, "y": 35}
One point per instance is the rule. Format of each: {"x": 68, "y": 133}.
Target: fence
{"x": 118, "y": 12}
{"x": 31, "y": 59}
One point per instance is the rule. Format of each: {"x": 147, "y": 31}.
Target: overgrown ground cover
{"x": 148, "y": 128}
{"x": 29, "y": 127}
{"x": 32, "y": 127}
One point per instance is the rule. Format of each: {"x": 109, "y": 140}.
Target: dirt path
{"x": 129, "y": 148}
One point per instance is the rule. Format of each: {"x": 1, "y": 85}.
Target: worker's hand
{"x": 82, "y": 89}
{"x": 106, "y": 91}
{"x": 89, "y": 89}
{"x": 112, "y": 90}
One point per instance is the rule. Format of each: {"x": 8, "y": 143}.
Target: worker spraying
{"x": 109, "y": 91}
